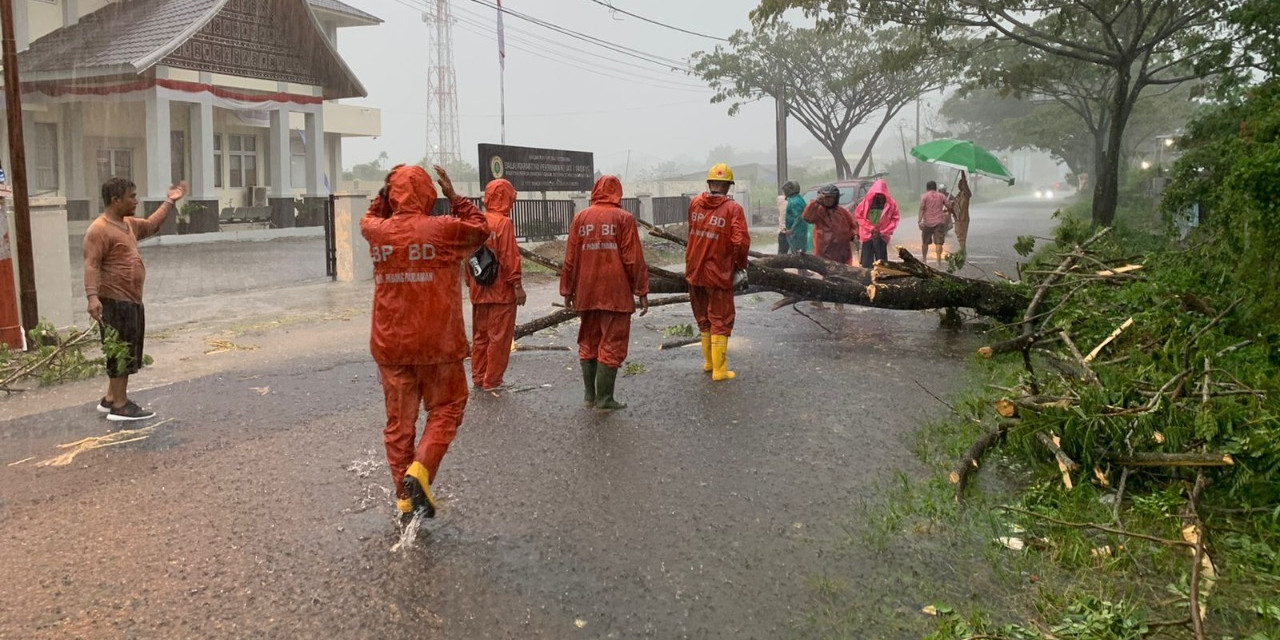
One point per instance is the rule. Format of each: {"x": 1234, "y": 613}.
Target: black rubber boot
{"x": 589, "y": 382}
{"x": 606, "y": 378}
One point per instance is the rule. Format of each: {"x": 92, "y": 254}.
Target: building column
{"x": 202, "y": 178}
{"x": 333, "y": 144}
{"x": 21, "y": 26}
{"x": 316, "y": 159}
{"x": 159, "y": 151}
{"x": 278, "y": 174}
{"x": 70, "y": 12}
{"x": 280, "y": 195}
{"x": 82, "y": 195}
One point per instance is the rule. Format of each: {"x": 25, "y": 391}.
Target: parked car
{"x": 851, "y": 191}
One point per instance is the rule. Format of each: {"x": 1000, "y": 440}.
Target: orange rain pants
{"x": 604, "y": 336}
{"x": 442, "y": 389}
{"x": 713, "y": 309}
{"x": 493, "y": 327}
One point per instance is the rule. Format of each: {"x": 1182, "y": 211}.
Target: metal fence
{"x": 533, "y": 219}
{"x": 671, "y": 210}
{"x": 632, "y": 205}
{"x": 542, "y": 219}
{"x": 330, "y": 239}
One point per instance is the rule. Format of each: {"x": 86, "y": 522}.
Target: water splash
{"x": 409, "y": 534}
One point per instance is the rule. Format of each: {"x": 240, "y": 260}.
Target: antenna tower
{"x": 443, "y": 144}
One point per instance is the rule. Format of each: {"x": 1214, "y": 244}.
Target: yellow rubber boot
{"x": 706, "y": 351}
{"x": 417, "y": 485}
{"x": 720, "y": 359}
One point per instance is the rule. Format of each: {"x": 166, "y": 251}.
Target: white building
{"x": 238, "y": 97}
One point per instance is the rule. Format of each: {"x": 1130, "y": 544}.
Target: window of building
{"x": 297, "y": 159}
{"x": 217, "y": 161}
{"x": 242, "y": 158}
{"x": 115, "y": 163}
{"x": 46, "y": 161}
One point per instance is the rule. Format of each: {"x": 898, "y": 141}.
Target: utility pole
{"x": 18, "y": 165}
{"x": 781, "y": 136}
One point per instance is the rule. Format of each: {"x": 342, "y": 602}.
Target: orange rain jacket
{"x": 834, "y": 229}
{"x": 499, "y": 196}
{"x": 718, "y": 241}
{"x": 604, "y": 263}
{"x": 417, "y": 296}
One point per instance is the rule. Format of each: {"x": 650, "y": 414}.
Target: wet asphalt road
{"x": 260, "y": 509}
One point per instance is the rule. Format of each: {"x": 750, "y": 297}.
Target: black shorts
{"x": 130, "y": 321}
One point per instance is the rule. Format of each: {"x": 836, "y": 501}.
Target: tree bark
{"x": 1106, "y": 194}
{"x": 843, "y": 170}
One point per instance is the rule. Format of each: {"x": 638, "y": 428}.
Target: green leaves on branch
{"x": 58, "y": 357}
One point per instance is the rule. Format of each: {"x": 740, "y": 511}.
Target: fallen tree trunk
{"x": 908, "y": 285}
{"x": 564, "y": 315}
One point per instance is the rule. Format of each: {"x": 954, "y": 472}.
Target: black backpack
{"x": 484, "y": 266}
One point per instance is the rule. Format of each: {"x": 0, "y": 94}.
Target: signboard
{"x": 530, "y": 169}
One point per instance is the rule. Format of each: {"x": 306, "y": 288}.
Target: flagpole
{"x": 502, "y": 74}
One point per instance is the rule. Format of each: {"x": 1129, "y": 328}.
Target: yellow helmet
{"x": 720, "y": 173}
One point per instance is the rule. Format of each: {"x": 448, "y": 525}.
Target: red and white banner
{"x": 174, "y": 90}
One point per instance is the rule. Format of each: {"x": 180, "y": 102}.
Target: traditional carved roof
{"x": 271, "y": 39}
{"x": 354, "y": 16}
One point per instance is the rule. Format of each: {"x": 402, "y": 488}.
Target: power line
{"x": 628, "y": 51}
{"x": 481, "y": 21}
{"x": 632, "y": 79}
{"x": 660, "y": 24}
{"x": 536, "y": 46}
{"x": 558, "y": 113}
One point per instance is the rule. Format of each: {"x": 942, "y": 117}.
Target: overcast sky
{"x": 560, "y": 92}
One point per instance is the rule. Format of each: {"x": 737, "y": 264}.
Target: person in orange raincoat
{"x": 604, "y": 271}
{"x": 493, "y": 306}
{"x": 418, "y": 337}
{"x": 838, "y": 228}
{"x": 718, "y": 247}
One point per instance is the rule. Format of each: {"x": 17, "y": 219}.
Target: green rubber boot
{"x": 589, "y": 382}
{"x": 606, "y": 378}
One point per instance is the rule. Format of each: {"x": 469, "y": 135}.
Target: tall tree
{"x": 832, "y": 81}
{"x": 1005, "y": 122}
{"x": 1136, "y": 44}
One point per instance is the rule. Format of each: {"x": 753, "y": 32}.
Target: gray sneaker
{"x": 104, "y": 406}
{"x": 129, "y": 412}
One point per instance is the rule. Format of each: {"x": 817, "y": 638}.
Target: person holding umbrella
{"x": 965, "y": 156}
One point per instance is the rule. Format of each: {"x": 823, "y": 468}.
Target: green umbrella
{"x": 965, "y": 155}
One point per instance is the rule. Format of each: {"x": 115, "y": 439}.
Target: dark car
{"x": 852, "y": 191}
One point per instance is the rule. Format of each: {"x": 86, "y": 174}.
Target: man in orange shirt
{"x": 604, "y": 270}
{"x": 113, "y": 279}
{"x": 418, "y": 337}
{"x": 493, "y": 306}
{"x": 718, "y": 247}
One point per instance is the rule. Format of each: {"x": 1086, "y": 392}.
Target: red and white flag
{"x": 502, "y": 41}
